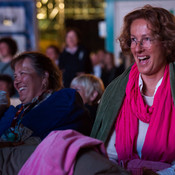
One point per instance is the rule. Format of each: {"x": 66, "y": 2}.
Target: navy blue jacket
{"x": 64, "y": 109}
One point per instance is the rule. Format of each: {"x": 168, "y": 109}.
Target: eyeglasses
{"x": 145, "y": 42}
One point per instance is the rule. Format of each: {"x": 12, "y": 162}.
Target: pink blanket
{"x": 56, "y": 154}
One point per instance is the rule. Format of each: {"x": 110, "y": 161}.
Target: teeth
{"x": 22, "y": 88}
{"x": 142, "y": 58}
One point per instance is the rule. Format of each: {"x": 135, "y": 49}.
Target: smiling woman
{"x": 46, "y": 106}
{"x": 137, "y": 109}
{"x": 27, "y": 82}
{"x": 39, "y": 84}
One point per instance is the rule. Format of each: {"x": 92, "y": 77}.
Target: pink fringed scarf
{"x": 159, "y": 142}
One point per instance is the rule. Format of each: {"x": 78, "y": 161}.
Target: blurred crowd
{"x": 88, "y": 72}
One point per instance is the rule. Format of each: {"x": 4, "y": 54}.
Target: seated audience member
{"x": 110, "y": 71}
{"x": 90, "y": 89}
{"x": 8, "y": 49}
{"x": 136, "y": 114}
{"x": 6, "y": 84}
{"x": 45, "y": 106}
{"x": 53, "y": 53}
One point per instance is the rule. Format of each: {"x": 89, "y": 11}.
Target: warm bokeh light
{"x": 61, "y": 5}
{"x": 50, "y": 5}
{"x": 44, "y": 1}
{"x": 38, "y": 4}
{"x": 7, "y": 22}
{"x": 53, "y": 13}
{"x": 41, "y": 16}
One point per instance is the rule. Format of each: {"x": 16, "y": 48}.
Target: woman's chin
{"x": 22, "y": 100}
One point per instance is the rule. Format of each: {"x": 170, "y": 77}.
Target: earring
{"x": 44, "y": 86}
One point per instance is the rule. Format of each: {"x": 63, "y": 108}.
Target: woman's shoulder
{"x": 65, "y": 91}
{"x": 64, "y": 96}
{"x": 63, "y": 54}
{"x": 82, "y": 48}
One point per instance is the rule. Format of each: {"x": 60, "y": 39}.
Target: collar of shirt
{"x": 141, "y": 84}
{"x": 71, "y": 50}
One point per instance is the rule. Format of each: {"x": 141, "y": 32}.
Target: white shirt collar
{"x": 141, "y": 84}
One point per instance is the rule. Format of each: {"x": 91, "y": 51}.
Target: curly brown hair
{"x": 162, "y": 27}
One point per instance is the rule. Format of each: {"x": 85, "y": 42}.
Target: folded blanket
{"x": 56, "y": 154}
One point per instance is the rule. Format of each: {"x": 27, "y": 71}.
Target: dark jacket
{"x": 71, "y": 64}
{"x": 64, "y": 109}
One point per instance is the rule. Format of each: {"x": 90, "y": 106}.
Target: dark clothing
{"x": 71, "y": 64}
{"x": 109, "y": 75}
{"x": 90, "y": 162}
{"x": 92, "y": 110}
{"x": 13, "y": 158}
{"x": 64, "y": 109}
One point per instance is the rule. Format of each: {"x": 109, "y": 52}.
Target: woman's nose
{"x": 139, "y": 47}
{"x": 17, "y": 79}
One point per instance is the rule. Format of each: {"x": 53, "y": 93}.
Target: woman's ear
{"x": 46, "y": 75}
{"x": 93, "y": 96}
{"x": 45, "y": 80}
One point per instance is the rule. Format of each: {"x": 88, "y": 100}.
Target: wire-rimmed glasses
{"x": 145, "y": 42}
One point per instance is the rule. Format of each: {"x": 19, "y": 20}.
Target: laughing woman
{"x": 45, "y": 106}
{"x": 136, "y": 115}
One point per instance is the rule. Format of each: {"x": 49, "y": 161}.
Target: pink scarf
{"x": 159, "y": 144}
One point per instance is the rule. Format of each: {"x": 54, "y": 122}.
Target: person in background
{"x": 45, "y": 106}
{"x": 53, "y": 53}
{"x": 137, "y": 110}
{"x": 96, "y": 64}
{"x": 74, "y": 60}
{"x": 90, "y": 89}
{"x": 110, "y": 71}
{"x": 8, "y": 49}
{"x": 101, "y": 55}
{"x": 6, "y": 84}
{"x": 39, "y": 84}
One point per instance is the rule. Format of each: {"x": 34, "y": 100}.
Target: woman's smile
{"x": 27, "y": 81}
